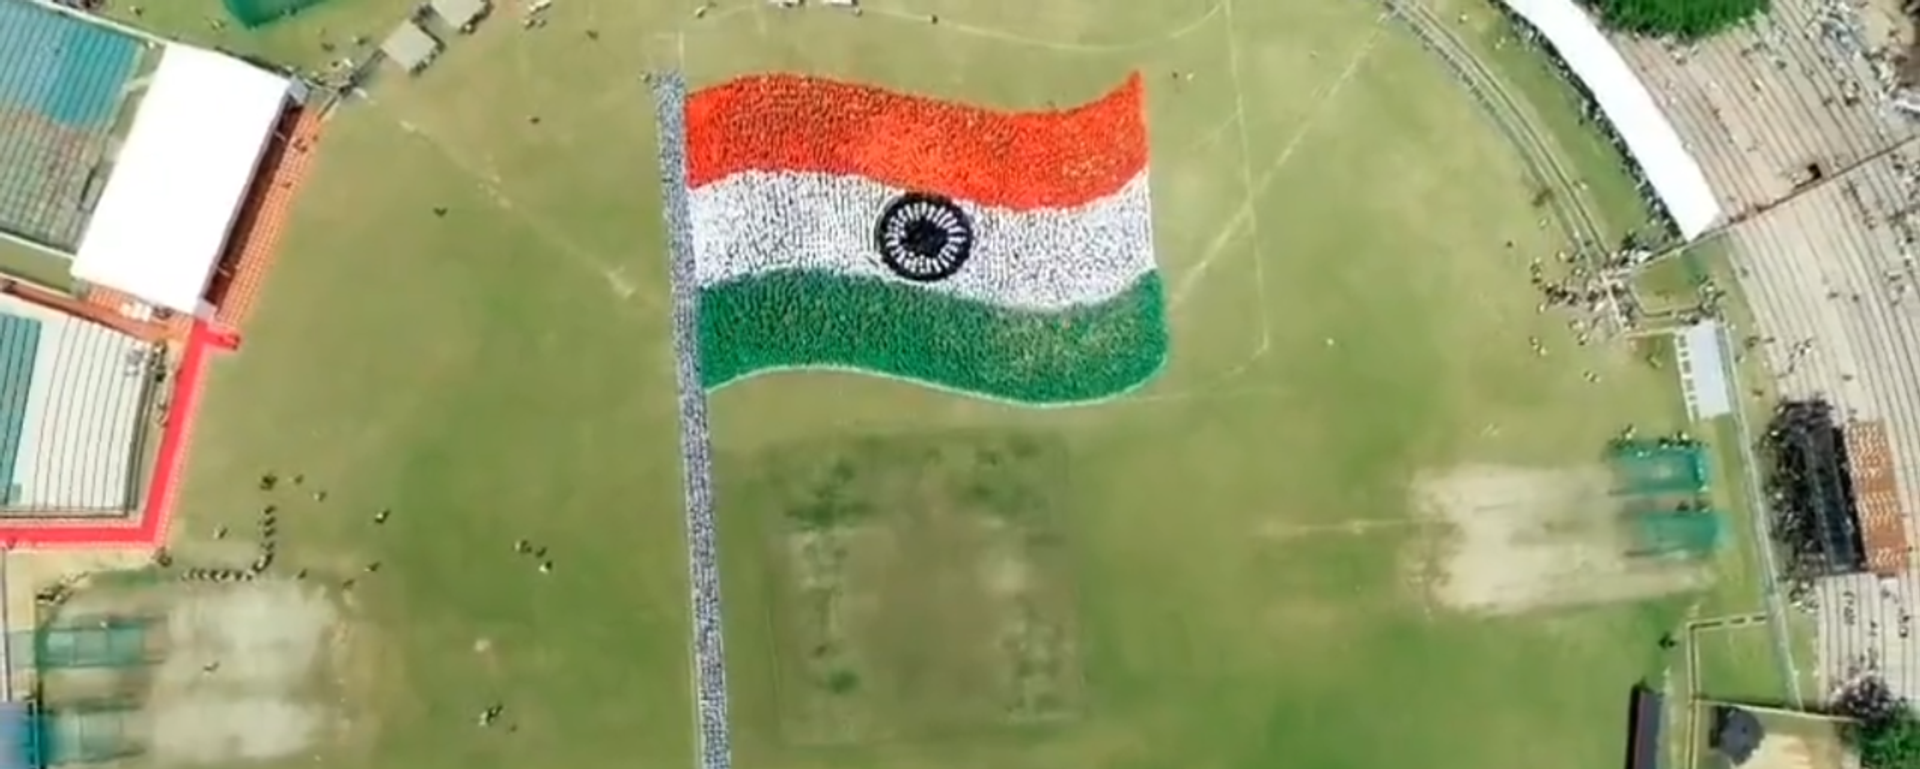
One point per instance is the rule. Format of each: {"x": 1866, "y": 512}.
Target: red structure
{"x": 1876, "y": 494}
{"x": 236, "y": 289}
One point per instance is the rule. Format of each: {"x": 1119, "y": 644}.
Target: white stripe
{"x": 758, "y": 222}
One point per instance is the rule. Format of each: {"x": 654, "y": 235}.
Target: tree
{"x": 1684, "y": 19}
{"x": 1894, "y": 745}
{"x": 1886, "y": 731}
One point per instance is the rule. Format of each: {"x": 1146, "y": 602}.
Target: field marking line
{"x": 1203, "y": 393}
{"x": 1355, "y": 528}
{"x": 1211, "y": 135}
{"x": 714, "y": 22}
{"x": 1059, "y": 45}
{"x": 1246, "y": 186}
{"x": 614, "y": 273}
{"x": 1245, "y": 214}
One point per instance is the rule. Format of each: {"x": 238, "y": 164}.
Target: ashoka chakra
{"x": 923, "y": 238}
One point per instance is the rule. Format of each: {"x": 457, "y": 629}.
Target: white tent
{"x": 1676, "y": 178}
{"x": 177, "y": 185}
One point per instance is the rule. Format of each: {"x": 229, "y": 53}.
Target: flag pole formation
{"x": 1001, "y": 254}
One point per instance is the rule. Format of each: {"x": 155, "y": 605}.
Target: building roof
{"x": 1703, "y": 371}
{"x": 1736, "y": 734}
{"x": 179, "y": 181}
{"x": 460, "y": 13}
{"x": 1876, "y": 496}
{"x": 1643, "y": 726}
{"x": 1651, "y": 139}
{"x": 410, "y": 46}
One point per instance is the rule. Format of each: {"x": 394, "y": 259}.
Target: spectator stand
{"x": 65, "y": 88}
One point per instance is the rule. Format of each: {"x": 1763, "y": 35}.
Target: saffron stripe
{"x": 1015, "y": 160}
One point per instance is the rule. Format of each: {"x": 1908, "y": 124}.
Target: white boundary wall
{"x": 1636, "y": 117}
{"x": 178, "y": 183}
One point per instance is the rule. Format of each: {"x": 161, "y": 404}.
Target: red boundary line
{"x": 163, "y": 488}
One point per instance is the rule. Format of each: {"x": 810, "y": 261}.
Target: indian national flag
{"x": 1004, "y": 254}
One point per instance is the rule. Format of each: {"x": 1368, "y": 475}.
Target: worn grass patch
{"x": 921, "y": 581}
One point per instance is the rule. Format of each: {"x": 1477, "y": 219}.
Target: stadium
{"x": 1062, "y": 384}
{"x": 132, "y": 181}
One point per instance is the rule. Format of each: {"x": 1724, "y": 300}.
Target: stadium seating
{"x": 82, "y": 422}
{"x": 69, "y": 71}
{"x": 1786, "y": 115}
{"x": 61, "y": 82}
{"x": 19, "y": 339}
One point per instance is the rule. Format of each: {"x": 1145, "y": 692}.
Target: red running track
{"x": 150, "y": 531}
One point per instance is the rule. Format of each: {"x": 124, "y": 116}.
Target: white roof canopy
{"x": 1676, "y": 179}
{"x": 178, "y": 182}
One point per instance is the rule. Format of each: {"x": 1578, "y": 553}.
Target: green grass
{"x": 1714, "y": 260}
{"x": 1738, "y": 665}
{"x": 1345, "y": 315}
{"x": 1596, "y": 163}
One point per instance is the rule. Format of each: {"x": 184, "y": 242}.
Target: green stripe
{"x": 798, "y": 319}
{"x": 19, "y": 341}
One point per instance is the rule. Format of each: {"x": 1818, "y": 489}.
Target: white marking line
{"x": 1356, "y": 528}
{"x": 1246, "y": 180}
{"x": 1057, "y": 45}
{"x": 1212, "y": 134}
{"x": 614, "y": 274}
{"x": 1245, "y": 215}
{"x": 712, "y": 23}
{"x": 1202, "y": 394}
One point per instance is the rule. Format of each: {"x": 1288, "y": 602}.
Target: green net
{"x": 1660, "y": 467}
{"x": 103, "y": 643}
{"x": 1693, "y": 533}
{"x": 84, "y": 733}
{"x": 259, "y": 13}
{"x": 1661, "y": 487}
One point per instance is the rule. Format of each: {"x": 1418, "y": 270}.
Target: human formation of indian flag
{"x": 1003, "y": 254}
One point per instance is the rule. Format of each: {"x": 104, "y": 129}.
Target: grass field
{"x": 1306, "y": 544}
{"x": 1737, "y": 665}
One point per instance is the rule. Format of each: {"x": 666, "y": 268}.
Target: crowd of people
{"x": 1867, "y": 699}
{"x": 1814, "y": 520}
{"x": 709, "y": 651}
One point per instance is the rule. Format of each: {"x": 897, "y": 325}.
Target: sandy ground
{"x": 270, "y": 640}
{"x": 242, "y": 674}
{"x": 1792, "y": 751}
{"x": 1522, "y": 539}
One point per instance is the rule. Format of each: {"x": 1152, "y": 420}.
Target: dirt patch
{"x": 1518, "y": 539}
{"x": 29, "y": 572}
{"x": 924, "y": 590}
{"x": 1792, "y": 751}
{"x": 242, "y": 677}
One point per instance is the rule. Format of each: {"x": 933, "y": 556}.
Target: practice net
{"x": 259, "y": 13}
